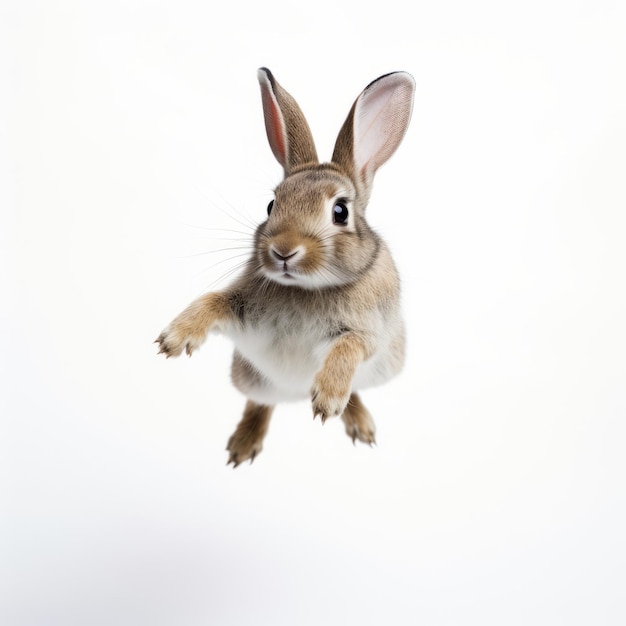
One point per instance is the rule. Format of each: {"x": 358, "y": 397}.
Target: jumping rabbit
{"x": 315, "y": 313}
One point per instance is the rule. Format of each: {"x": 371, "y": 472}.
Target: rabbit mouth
{"x": 285, "y": 275}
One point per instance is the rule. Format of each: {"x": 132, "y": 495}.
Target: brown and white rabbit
{"x": 315, "y": 314}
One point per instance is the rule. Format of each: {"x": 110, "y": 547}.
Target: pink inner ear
{"x": 278, "y": 130}
{"x": 274, "y": 126}
{"x": 381, "y": 119}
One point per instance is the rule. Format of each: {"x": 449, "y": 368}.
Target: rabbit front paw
{"x": 189, "y": 329}
{"x": 178, "y": 337}
{"x": 328, "y": 400}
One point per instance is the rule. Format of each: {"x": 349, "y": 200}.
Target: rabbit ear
{"x": 288, "y": 133}
{"x": 375, "y": 126}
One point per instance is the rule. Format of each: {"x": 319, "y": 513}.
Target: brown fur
{"x": 247, "y": 440}
{"x": 189, "y": 329}
{"x": 333, "y": 384}
{"x": 317, "y": 304}
{"x": 358, "y": 421}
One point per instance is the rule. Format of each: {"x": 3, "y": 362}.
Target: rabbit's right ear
{"x": 288, "y": 133}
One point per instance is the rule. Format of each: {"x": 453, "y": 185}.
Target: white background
{"x": 129, "y": 132}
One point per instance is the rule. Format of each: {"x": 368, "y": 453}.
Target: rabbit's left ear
{"x": 375, "y": 126}
{"x": 288, "y": 133}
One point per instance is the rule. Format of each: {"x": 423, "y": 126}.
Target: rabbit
{"x": 315, "y": 313}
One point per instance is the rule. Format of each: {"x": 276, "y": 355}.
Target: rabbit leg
{"x": 189, "y": 329}
{"x": 358, "y": 421}
{"x": 247, "y": 440}
{"x": 333, "y": 383}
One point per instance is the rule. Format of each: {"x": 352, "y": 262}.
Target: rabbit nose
{"x": 285, "y": 255}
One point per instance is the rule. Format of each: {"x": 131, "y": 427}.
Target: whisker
{"x": 244, "y": 219}
{"x": 197, "y": 254}
{"x": 228, "y": 273}
{"x": 230, "y": 270}
{"x": 224, "y": 230}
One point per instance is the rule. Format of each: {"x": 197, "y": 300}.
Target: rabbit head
{"x": 316, "y": 234}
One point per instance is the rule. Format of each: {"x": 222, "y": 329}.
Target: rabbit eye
{"x": 270, "y": 206}
{"x": 340, "y": 214}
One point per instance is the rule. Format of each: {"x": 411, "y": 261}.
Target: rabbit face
{"x": 315, "y": 235}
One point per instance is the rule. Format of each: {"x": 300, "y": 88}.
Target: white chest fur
{"x": 289, "y": 351}
{"x": 286, "y": 358}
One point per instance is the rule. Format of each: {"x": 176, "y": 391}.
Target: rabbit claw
{"x": 236, "y": 459}
{"x": 233, "y": 459}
